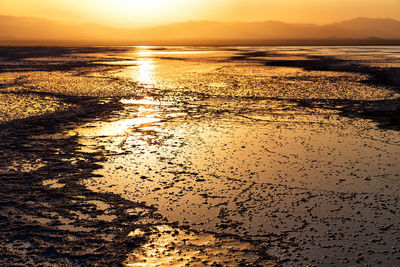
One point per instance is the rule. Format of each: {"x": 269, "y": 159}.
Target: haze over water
{"x": 202, "y": 155}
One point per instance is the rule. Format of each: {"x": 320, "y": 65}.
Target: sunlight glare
{"x": 141, "y": 5}
{"x": 144, "y": 71}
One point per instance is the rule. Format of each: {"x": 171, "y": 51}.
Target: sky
{"x": 142, "y": 13}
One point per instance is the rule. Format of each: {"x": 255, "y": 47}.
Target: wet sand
{"x": 207, "y": 156}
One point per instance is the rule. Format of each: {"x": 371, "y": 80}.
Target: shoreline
{"x": 222, "y": 42}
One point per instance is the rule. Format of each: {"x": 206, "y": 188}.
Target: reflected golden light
{"x": 153, "y": 53}
{"x": 116, "y": 128}
{"x": 145, "y": 116}
{"x": 145, "y": 69}
{"x": 143, "y": 101}
{"x": 168, "y": 246}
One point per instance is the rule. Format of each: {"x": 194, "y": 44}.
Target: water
{"x": 272, "y": 145}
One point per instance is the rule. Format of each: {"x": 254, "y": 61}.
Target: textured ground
{"x": 201, "y": 156}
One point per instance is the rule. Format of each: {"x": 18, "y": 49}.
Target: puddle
{"x": 53, "y": 183}
{"x": 22, "y": 166}
{"x": 168, "y": 246}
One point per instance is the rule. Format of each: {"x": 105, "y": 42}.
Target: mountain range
{"x": 35, "y": 30}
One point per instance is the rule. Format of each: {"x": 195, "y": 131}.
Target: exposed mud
{"x": 199, "y": 156}
{"x": 49, "y": 217}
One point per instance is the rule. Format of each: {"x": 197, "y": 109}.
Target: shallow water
{"x": 297, "y": 176}
{"x": 265, "y": 144}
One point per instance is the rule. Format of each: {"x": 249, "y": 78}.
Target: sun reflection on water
{"x": 145, "y": 68}
{"x": 145, "y": 74}
{"x": 168, "y": 246}
{"x": 142, "y": 101}
{"x": 137, "y": 128}
{"x": 116, "y": 128}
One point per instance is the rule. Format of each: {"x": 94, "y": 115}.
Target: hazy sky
{"x": 131, "y": 13}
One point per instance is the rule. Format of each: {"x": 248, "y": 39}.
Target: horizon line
{"x": 195, "y": 21}
{"x": 371, "y": 41}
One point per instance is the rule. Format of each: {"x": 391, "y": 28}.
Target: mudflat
{"x": 230, "y": 156}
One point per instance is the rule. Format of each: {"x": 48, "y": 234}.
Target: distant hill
{"x": 25, "y": 28}
{"x": 28, "y": 30}
{"x": 366, "y": 27}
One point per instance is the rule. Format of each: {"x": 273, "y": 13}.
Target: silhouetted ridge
{"x": 34, "y": 29}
